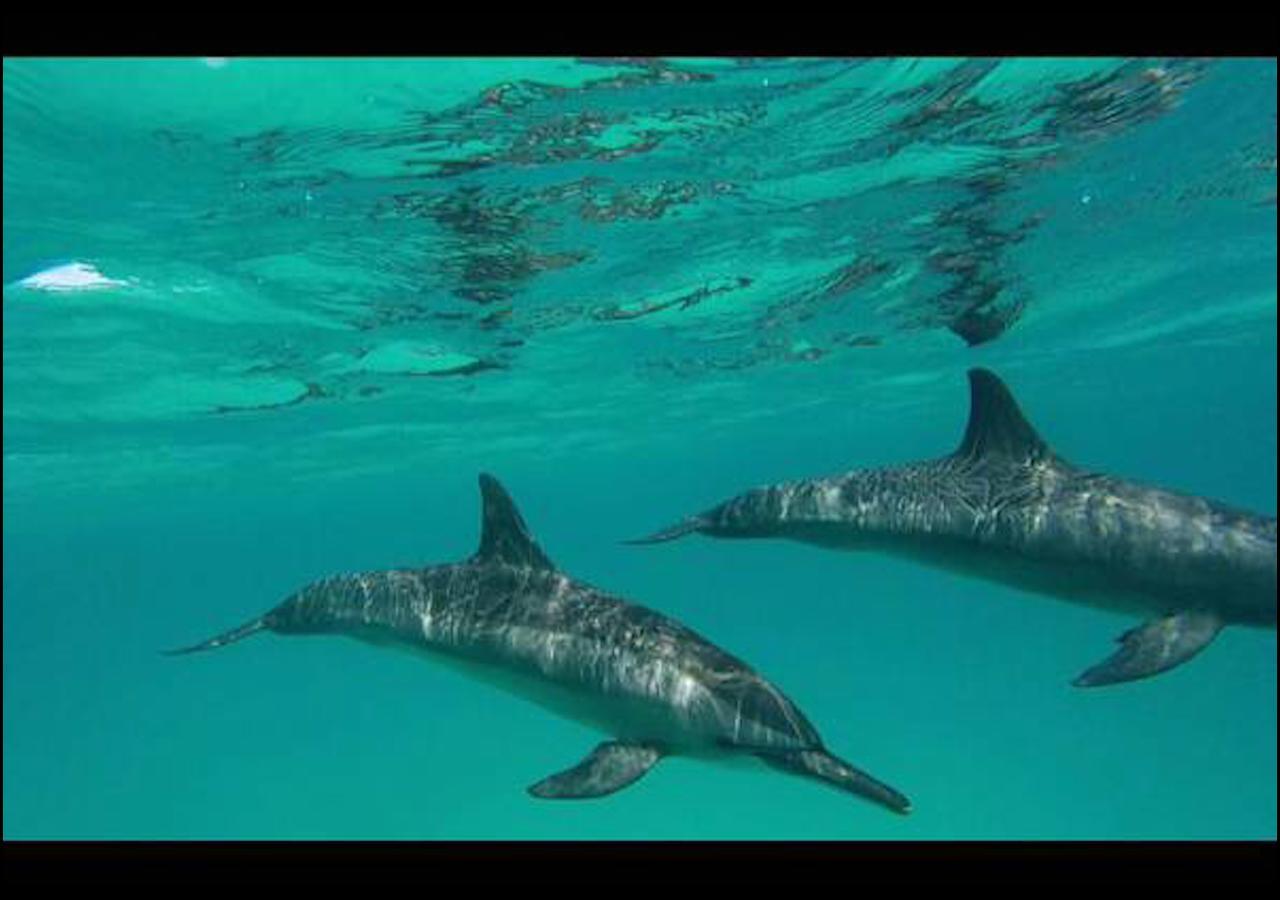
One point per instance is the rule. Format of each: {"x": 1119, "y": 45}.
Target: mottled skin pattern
{"x": 1006, "y": 508}
{"x": 542, "y": 624}
{"x": 508, "y": 616}
{"x": 1117, "y": 544}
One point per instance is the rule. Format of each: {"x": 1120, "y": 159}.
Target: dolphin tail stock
{"x": 832, "y": 770}
{"x": 672, "y": 533}
{"x": 227, "y": 637}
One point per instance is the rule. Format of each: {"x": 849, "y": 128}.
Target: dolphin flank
{"x": 508, "y": 616}
{"x": 1006, "y": 508}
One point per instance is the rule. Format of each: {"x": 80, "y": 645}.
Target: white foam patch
{"x": 74, "y": 276}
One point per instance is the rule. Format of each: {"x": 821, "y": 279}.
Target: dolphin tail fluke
{"x": 675, "y": 532}
{"x": 227, "y": 637}
{"x": 1154, "y": 647}
{"x": 836, "y": 772}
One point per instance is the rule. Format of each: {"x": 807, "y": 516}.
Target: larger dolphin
{"x": 509, "y": 616}
{"x": 1005, "y": 507}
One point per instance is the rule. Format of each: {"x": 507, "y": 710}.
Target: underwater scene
{"x": 635, "y": 448}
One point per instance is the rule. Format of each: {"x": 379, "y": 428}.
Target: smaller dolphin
{"x": 508, "y": 616}
{"x": 1006, "y": 508}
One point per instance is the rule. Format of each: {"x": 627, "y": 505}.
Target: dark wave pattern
{"x": 686, "y": 218}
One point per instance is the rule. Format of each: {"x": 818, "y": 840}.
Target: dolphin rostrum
{"x": 1005, "y": 507}
{"x": 508, "y": 616}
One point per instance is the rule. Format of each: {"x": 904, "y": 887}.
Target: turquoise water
{"x": 266, "y": 320}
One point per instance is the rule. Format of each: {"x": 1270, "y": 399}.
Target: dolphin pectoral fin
{"x": 609, "y": 767}
{"x": 1154, "y": 647}
{"x": 836, "y": 772}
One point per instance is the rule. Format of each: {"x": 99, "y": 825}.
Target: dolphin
{"x": 509, "y": 616}
{"x": 1005, "y": 507}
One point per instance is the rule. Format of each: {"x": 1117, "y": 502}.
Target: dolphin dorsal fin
{"x": 503, "y": 535}
{"x": 996, "y": 425}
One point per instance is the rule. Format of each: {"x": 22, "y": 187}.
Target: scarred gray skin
{"x": 509, "y": 617}
{"x": 1005, "y": 507}
{"x": 656, "y": 678}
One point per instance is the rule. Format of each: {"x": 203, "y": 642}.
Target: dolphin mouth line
{"x": 672, "y": 533}
{"x": 227, "y": 637}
